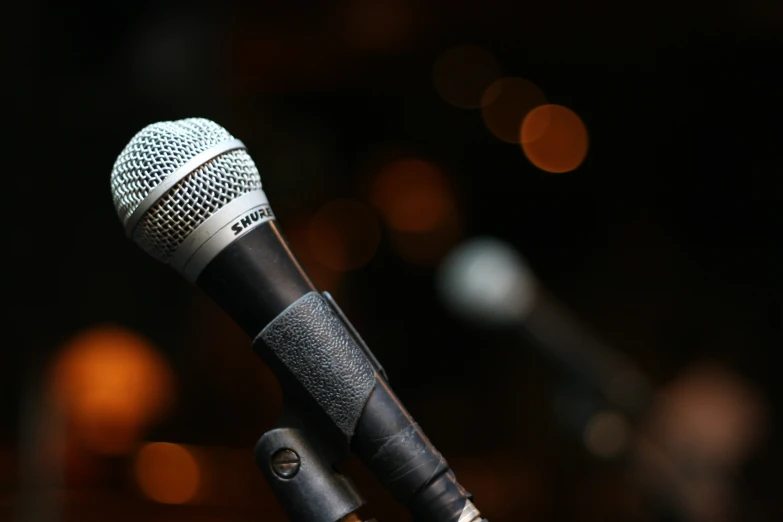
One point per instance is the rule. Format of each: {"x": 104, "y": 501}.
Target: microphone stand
{"x": 299, "y": 457}
{"x": 301, "y": 471}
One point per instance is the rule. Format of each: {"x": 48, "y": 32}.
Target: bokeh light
{"x": 387, "y": 26}
{"x": 412, "y": 195}
{"x": 506, "y": 102}
{"x": 167, "y": 473}
{"x": 607, "y": 434}
{"x": 417, "y": 201}
{"x": 111, "y": 384}
{"x": 462, "y": 73}
{"x": 344, "y": 234}
{"x": 700, "y": 431}
{"x": 554, "y": 138}
{"x": 297, "y": 234}
{"x": 711, "y": 411}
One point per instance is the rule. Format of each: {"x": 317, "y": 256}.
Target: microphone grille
{"x": 157, "y": 151}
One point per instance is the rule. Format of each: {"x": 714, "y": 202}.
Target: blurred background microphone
{"x": 486, "y": 281}
{"x": 685, "y": 443}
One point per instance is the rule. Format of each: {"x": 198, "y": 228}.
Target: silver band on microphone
{"x": 182, "y": 172}
{"x": 231, "y": 222}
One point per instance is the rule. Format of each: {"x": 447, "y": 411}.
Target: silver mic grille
{"x": 156, "y": 152}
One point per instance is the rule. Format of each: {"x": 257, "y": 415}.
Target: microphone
{"x": 486, "y": 281}
{"x": 189, "y": 194}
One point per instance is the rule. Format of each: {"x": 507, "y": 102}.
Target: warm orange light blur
{"x": 462, "y": 73}
{"x": 417, "y": 202}
{"x": 413, "y": 195}
{"x": 554, "y": 138}
{"x": 111, "y": 383}
{"x": 607, "y": 434}
{"x": 167, "y": 473}
{"x": 700, "y": 431}
{"x": 344, "y": 235}
{"x": 382, "y": 25}
{"x": 325, "y": 278}
{"x": 712, "y": 410}
{"x": 505, "y": 104}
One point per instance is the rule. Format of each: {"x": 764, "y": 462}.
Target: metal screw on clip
{"x": 285, "y": 463}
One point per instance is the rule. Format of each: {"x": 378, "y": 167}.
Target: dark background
{"x": 665, "y": 240}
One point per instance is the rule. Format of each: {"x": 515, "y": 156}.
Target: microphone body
{"x": 235, "y": 252}
{"x": 258, "y": 280}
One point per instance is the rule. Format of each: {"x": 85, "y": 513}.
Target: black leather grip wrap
{"x": 315, "y": 346}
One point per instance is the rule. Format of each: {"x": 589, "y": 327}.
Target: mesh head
{"x": 152, "y": 155}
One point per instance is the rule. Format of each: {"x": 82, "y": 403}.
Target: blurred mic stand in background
{"x": 601, "y": 396}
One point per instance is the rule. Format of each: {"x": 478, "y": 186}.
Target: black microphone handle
{"x": 255, "y": 278}
{"x": 314, "y": 351}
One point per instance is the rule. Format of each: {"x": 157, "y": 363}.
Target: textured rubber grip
{"x": 316, "y": 347}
